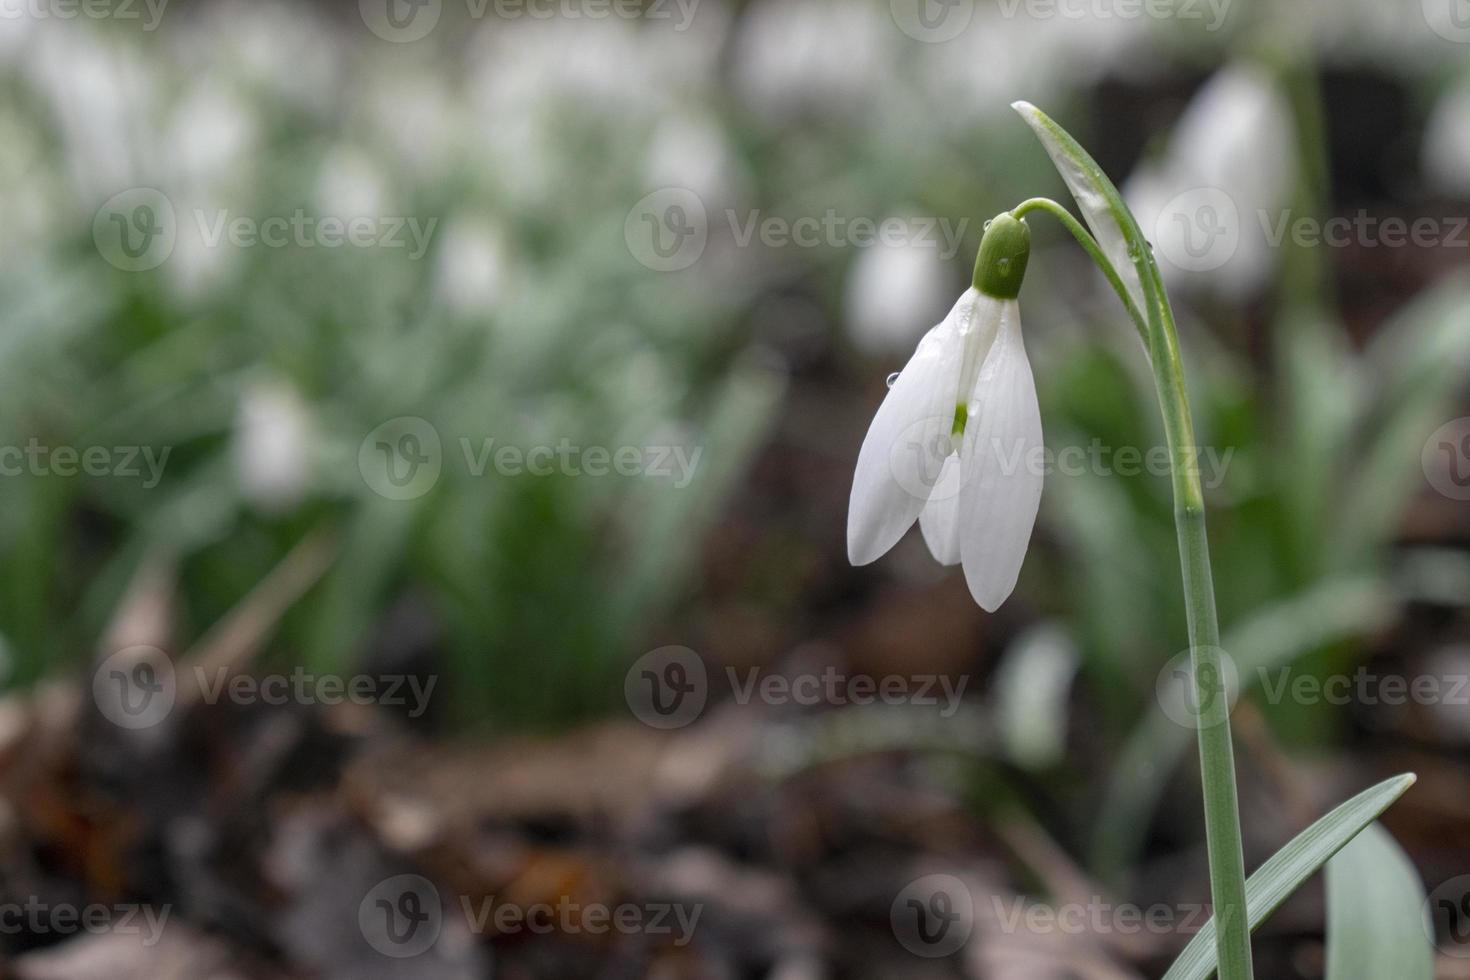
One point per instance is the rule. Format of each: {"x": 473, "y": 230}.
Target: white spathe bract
{"x": 955, "y": 446}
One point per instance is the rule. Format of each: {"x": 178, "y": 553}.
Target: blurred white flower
{"x": 891, "y": 291}
{"x": 470, "y": 267}
{"x": 211, "y": 135}
{"x": 283, "y": 49}
{"x": 417, "y": 116}
{"x": 1209, "y": 203}
{"x": 350, "y": 185}
{"x": 690, "y": 152}
{"x": 273, "y": 444}
{"x": 102, "y": 94}
{"x": 829, "y": 55}
{"x": 1447, "y": 142}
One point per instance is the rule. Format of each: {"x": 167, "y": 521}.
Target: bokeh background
{"x": 496, "y": 357}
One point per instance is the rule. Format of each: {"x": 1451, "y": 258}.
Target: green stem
{"x": 1090, "y": 245}
{"x": 1217, "y": 757}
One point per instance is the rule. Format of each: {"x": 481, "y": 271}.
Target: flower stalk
{"x": 1212, "y": 701}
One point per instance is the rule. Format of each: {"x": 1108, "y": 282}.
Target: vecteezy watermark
{"x": 1446, "y": 459}
{"x": 303, "y": 687}
{"x": 37, "y": 917}
{"x": 917, "y": 457}
{"x": 1202, "y": 229}
{"x": 135, "y": 687}
{"x": 669, "y": 687}
{"x": 137, "y": 230}
{"x": 1202, "y": 699}
{"x": 669, "y": 229}
{"x": 1450, "y": 19}
{"x": 150, "y": 12}
{"x": 1364, "y": 687}
{"x": 1096, "y": 917}
{"x": 402, "y": 21}
{"x": 933, "y": 916}
{"x": 1447, "y": 917}
{"x": 126, "y": 462}
{"x": 403, "y": 458}
{"x": 937, "y": 21}
{"x": 404, "y": 916}
{"x": 138, "y": 687}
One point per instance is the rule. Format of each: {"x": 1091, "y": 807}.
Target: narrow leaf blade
{"x": 1284, "y": 872}
{"x": 1102, "y": 206}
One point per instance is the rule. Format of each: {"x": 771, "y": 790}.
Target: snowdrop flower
{"x": 954, "y": 443}
{"x": 1210, "y": 203}
{"x": 1447, "y": 142}
{"x": 272, "y": 446}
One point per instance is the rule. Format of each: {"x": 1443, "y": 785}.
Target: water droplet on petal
{"x": 893, "y": 379}
{"x": 988, "y": 223}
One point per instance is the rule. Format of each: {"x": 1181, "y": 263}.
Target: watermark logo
{"x": 400, "y": 21}
{"x": 667, "y": 230}
{"x": 1447, "y": 917}
{"x": 932, "y": 21}
{"x": 35, "y": 458}
{"x": 1446, "y": 459}
{"x": 917, "y": 459}
{"x": 1097, "y": 917}
{"x": 136, "y": 687}
{"x": 1198, "y": 230}
{"x": 667, "y": 688}
{"x": 1450, "y": 19}
{"x": 572, "y": 918}
{"x": 933, "y": 916}
{"x": 302, "y": 230}
{"x": 402, "y": 458}
{"x": 401, "y": 917}
{"x": 1198, "y": 702}
{"x": 36, "y": 917}
{"x": 135, "y": 230}
{"x": 148, "y": 11}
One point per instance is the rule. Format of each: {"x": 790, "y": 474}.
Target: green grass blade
{"x": 1376, "y": 922}
{"x": 1284, "y": 872}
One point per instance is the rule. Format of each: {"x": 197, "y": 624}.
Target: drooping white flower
{"x": 1210, "y": 202}
{"x": 954, "y": 444}
{"x": 1447, "y": 142}
{"x": 272, "y": 446}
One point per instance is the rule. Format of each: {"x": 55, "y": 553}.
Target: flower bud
{"x": 1001, "y": 264}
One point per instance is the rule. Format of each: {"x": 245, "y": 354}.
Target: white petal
{"x": 1001, "y": 467}
{"x": 940, "y": 518}
{"x": 904, "y": 452}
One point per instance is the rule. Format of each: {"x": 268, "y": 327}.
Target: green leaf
{"x": 1284, "y": 872}
{"x": 1102, "y": 206}
{"x": 1377, "y": 925}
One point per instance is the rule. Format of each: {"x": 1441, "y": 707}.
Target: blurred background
{"x": 426, "y": 429}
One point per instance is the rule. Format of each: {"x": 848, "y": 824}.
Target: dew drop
{"x": 1003, "y": 263}
{"x": 892, "y": 379}
{"x": 989, "y": 222}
